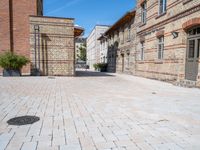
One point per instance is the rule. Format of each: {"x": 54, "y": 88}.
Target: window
{"x": 142, "y": 51}
{"x": 191, "y": 49}
{"x": 162, "y": 6}
{"x": 160, "y": 47}
{"x": 122, "y": 37}
{"x": 129, "y": 33}
{"x": 144, "y": 12}
{"x": 198, "y": 48}
{"x": 104, "y": 59}
{"x": 194, "y": 31}
{"x": 128, "y": 60}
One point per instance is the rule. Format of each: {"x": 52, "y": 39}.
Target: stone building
{"x": 93, "y": 45}
{"x": 121, "y": 44}
{"x": 79, "y": 42}
{"x": 168, "y": 40}
{"x": 52, "y": 45}
{"x": 47, "y": 41}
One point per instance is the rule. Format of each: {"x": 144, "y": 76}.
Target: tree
{"x": 82, "y": 50}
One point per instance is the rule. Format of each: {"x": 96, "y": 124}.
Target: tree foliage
{"x": 82, "y": 49}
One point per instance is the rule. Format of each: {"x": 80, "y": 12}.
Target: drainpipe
{"x": 11, "y": 25}
{"x": 36, "y": 36}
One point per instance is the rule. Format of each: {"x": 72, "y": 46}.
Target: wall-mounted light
{"x": 36, "y": 27}
{"x": 175, "y": 34}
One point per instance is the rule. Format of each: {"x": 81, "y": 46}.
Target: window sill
{"x": 143, "y": 24}
{"x": 141, "y": 62}
{"x": 160, "y": 15}
{"x": 186, "y": 1}
{"x": 128, "y": 40}
{"x": 159, "y": 61}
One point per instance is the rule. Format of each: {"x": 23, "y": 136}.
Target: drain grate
{"x": 23, "y": 120}
{"x": 50, "y": 77}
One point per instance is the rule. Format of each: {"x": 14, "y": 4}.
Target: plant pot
{"x": 103, "y": 70}
{"x": 11, "y": 73}
{"x": 35, "y": 72}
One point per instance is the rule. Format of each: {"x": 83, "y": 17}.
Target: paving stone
{"x": 117, "y": 112}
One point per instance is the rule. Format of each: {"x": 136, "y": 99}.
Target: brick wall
{"x": 54, "y": 47}
{"x": 21, "y": 9}
{"x": 172, "y": 66}
{"x": 4, "y": 27}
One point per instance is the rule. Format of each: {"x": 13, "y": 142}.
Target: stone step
{"x": 186, "y": 83}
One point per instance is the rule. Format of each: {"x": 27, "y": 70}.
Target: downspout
{"x": 11, "y": 25}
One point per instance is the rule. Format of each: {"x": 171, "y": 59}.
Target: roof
{"x": 98, "y": 25}
{"x": 52, "y": 17}
{"x": 78, "y": 31}
{"x": 122, "y": 21}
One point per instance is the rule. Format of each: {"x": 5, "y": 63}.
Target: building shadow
{"x": 44, "y": 55}
{"x": 82, "y": 73}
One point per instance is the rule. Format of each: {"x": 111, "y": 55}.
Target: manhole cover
{"x": 23, "y": 120}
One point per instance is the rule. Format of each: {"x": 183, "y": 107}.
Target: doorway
{"x": 192, "y": 57}
{"x": 122, "y": 62}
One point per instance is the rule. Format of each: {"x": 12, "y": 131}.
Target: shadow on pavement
{"x": 92, "y": 74}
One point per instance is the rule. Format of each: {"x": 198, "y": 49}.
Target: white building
{"x": 103, "y": 49}
{"x": 94, "y": 53}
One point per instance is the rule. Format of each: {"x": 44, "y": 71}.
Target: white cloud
{"x": 68, "y": 4}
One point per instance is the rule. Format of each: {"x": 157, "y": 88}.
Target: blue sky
{"x": 88, "y": 13}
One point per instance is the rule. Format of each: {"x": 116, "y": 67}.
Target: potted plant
{"x": 95, "y": 67}
{"x": 12, "y": 63}
{"x": 102, "y": 67}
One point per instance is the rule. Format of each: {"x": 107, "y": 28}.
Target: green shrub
{"x": 95, "y": 66}
{"x": 100, "y": 66}
{"x": 9, "y": 60}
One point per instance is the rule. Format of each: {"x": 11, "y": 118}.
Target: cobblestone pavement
{"x": 99, "y": 112}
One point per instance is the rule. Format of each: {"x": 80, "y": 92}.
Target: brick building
{"x": 121, "y": 44}
{"x": 168, "y": 40}
{"x": 14, "y": 25}
{"x": 164, "y": 43}
{"x": 18, "y": 34}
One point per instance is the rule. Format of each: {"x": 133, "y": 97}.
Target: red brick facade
{"x": 4, "y": 25}
{"x": 14, "y": 26}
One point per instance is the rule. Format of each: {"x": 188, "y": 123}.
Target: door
{"x": 122, "y": 62}
{"x": 192, "y": 58}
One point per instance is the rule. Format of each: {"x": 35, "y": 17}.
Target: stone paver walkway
{"x": 99, "y": 113}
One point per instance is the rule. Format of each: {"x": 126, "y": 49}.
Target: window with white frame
{"x": 160, "y": 47}
{"x": 142, "y": 51}
{"x": 162, "y": 6}
{"x": 144, "y": 12}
